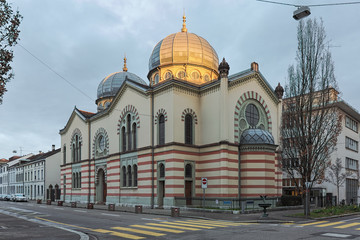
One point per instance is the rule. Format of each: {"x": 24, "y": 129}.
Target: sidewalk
{"x": 274, "y": 215}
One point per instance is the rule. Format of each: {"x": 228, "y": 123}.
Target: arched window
{"x": 134, "y": 135}
{"x": 188, "y": 129}
{"x": 123, "y": 135}
{"x": 161, "y": 130}
{"x": 128, "y": 128}
{"x": 73, "y": 180}
{"x": 123, "y": 176}
{"x": 64, "y": 154}
{"x": 188, "y": 171}
{"x": 135, "y": 175}
{"x": 129, "y": 176}
{"x": 162, "y": 170}
{"x": 73, "y": 150}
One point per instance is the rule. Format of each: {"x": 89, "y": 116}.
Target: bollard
{"x": 138, "y": 208}
{"x": 48, "y": 202}
{"x": 111, "y": 207}
{"x": 90, "y": 206}
{"x": 175, "y": 212}
{"x": 73, "y": 204}
{"x": 60, "y": 203}
{"x": 38, "y": 201}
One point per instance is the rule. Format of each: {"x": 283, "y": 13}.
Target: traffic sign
{"x": 203, "y": 182}
{"x": 307, "y": 184}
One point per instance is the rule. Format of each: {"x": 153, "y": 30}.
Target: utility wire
{"x": 51, "y": 69}
{"x": 310, "y": 5}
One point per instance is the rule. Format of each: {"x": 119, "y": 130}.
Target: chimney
{"x": 53, "y": 147}
{"x": 255, "y": 66}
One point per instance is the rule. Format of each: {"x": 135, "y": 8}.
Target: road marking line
{"x": 348, "y": 225}
{"x": 217, "y": 224}
{"x": 329, "y": 224}
{"x": 171, "y": 226}
{"x": 313, "y": 223}
{"x": 351, "y": 219}
{"x": 3, "y": 227}
{"x": 59, "y": 208}
{"x": 153, "y": 219}
{"x": 109, "y": 214}
{"x": 336, "y": 235}
{"x": 157, "y": 228}
{"x": 118, "y": 234}
{"x": 80, "y": 211}
{"x": 181, "y": 223}
{"x": 139, "y": 231}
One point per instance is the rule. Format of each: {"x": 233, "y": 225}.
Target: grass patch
{"x": 331, "y": 211}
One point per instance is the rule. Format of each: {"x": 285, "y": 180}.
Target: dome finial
{"x": 125, "y": 68}
{"x": 184, "y": 29}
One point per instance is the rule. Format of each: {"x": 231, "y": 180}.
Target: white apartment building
{"x": 348, "y": 151}
{"x": 42, "y": 176}
{"x": 3, "y": 178}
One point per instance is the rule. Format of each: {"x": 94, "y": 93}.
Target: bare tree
{"x": 9, "y": 34}
{"x": 310, "y": 120}
{"x": 337, "y": 175}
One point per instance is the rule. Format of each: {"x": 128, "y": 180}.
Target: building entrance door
{"x": 101, "y": 188}
{"x": 188, "y": 192}
{"x": 161, "y": 194}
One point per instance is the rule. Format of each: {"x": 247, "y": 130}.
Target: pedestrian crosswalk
{"x": 154, "y": 230}
{"x": 323, "y": 224}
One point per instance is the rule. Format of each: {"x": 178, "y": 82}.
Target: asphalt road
{"x": 33, "y": 221}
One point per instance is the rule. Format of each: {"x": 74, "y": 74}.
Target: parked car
{"x": 2, "y": 196}
{"x": 19, "y": 198}
{"x": 7, "y": 197}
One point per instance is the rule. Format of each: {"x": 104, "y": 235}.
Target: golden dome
{"x": 184, "y": 50}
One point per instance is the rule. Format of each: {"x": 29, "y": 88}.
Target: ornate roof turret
{"x": 224, "y": 68}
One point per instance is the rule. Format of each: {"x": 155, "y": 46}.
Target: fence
{"x": 224, "y": 203}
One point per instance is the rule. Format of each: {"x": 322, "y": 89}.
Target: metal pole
{"x": 203, "y": 197}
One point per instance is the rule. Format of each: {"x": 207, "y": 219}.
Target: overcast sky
{"x": 84, "y": 41}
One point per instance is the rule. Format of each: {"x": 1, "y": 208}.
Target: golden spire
{"x": 184, "y": 29}
{"x": 125, "y": 68}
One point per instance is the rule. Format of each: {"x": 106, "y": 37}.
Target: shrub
{"x": 290, "y": 200}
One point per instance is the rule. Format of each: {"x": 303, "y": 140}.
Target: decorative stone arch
{"x": 246, "y": 96}
{"x": 100, "y": 131}
{"x": 191, "y": 112}
{"x": 160, "y": 112}
{"x": 97, "y": 169}
{"x": 76, "y": 132}
{"x": 128, "y": 109}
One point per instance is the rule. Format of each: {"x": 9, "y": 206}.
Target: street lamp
{"x": 301, "y": 12}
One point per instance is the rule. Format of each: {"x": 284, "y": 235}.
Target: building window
{"x": 206, "y": 77}
{"x": 161, "y": 130}
{"x": 156, "y": 78}
{"x": 195, "y": 75}
{"x": 167, "y": 75}
{"x": 351, "y": 144}
{"x": 188, "y": 129}
{"x": 351, "y": 124}
{"x": 181, "y": 74}
{"x": 162, "y": 170}
{"x": 129, "y": 175}
{"x": 188, "y": 171}
{"x": 134, "y": 135}
{"x": 76, "y": 149}
{"x": 123, "y": 176}
{"x": 351, "y": 191}
{"x": 123, "y": 136}
{"x": 64, "y": 155}
{"x": 135, "y": 176}
{"x": 252, "y": 115}
{"x": 128, "y": 127}
{"x": 351, "y": 164}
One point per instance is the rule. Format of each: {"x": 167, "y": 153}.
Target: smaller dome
{"x": 256, "y": 136}
{"x": 109, "y": 86}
